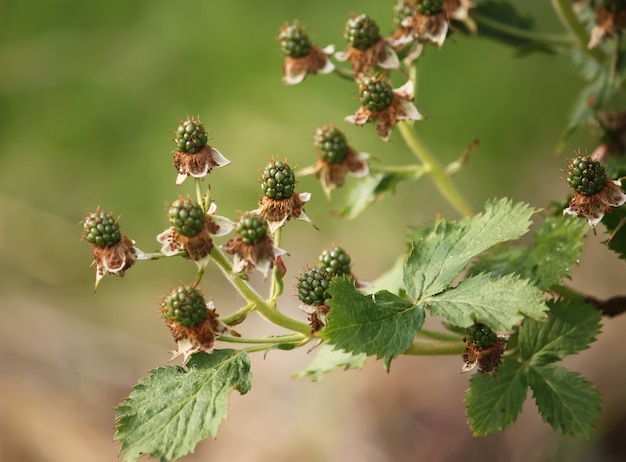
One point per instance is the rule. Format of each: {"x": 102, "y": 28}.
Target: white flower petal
{"x": 140, "y": 254}
{"x": 218, "y": 158}
{"x": 329, "y": 49}
{"x": 180, "y": 178}
{"x": 224, "y": 225}
{"x": 410, "y": 111}
{"x": 328, "y": 67}
{"x": 239, "y": 264}
{"x": 294, "y": 79}
{"x": 310, "y": 170}
{"x": 618, "y": 198}
{"x": 274, "y": 225}
{"x": 406, "y": 90}
{"x": 440, "y": 36}
{"x": 169, "y": 246}
{"x": 305, "y": 196}
{"x": 263, "y": 266}
{"x": 352, "y": 119}
{"x": 391, "y": 60}
{"x": 342, "y": 56}
{"x": 114, "y": 269}
{"x": 203, "y": 173}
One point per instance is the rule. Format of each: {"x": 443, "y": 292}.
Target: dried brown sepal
{"x": 486, "y": 359}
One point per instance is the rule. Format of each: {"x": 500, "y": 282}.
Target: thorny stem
{"x": 269, "y": 312}
{"x": 565, "y": 12}
{"x": 291, "y": 338}
{"x": 437, "y": 172}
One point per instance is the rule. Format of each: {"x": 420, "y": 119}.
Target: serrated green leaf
{"x": 494, "y": 403}
{"x": 547, "y": 261}
{"x": 382, "y": 324}
{"x": 565, "y": 399}
{"x": 571, "y": 327}
{"x": 434, "y": 261}
{"x": 497, "y": 302}
{"x": 370, "y": 189}
{"x": 615, "y": 223}
{"x": 329, "y": 359}
{"x": 175, "y": 408}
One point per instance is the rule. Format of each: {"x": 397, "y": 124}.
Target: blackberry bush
{"x": 375, "y": 93}
{"x": 332, "y": 144}
{"x": 186, "y": 306}
{"x": 313, "y": 285}
{"x": 191, "y": 136}
{"x": 586, "y": 176}
{"x": 252, "y": 228}
{"x": 294, "y": 41}
{"x": 186, "y": 216}
{"x": 278, "y": 180}
{"x": 362, "y": 32}
{"x": 335, "y": 262}
{"x": 101, "y": 229}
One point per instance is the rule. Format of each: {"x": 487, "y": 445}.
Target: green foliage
{"x": 565, "y": 400}
{"x": 435, "y": 260}
{"x": 545, "y": 262}
{"x": 614, "y": 223}
{"x": 175, "y": 408}
{"x": 329, "y": 359}
{"x": 382, "y": 324}
{"x": 499, "y": 303}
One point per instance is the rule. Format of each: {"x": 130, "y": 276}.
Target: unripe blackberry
{"x": 402, "y": 10}
{"x": 313, "y": 285}
{"x": 336, "y": 262}
{"x": 586, "y": 176}
{"x": 361, "y": 32}
{"x": 186, "y": 306}
{"x": 614, "y": 6}
{"x": 186, "y": 216}
{"x": 375, "y": 93}
{"x": 101, "y": 229}
{"x": 278, "y": 180}
{"x": 481, "y": 336}
{"x": 332, "y": 144}
{"x": 191, "y": 136}
{"x": 252, "y": 228}
{"x": 294, "y": 41}
{"x": 428, "y": 7}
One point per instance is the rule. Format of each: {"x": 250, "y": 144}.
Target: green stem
{"x": 277, "y": 285}
{"x": 442, "y": 336}
{"x": 435, "y": 348}
{"x": 269, "y": 312}
{"x": 291, "y": 338}
{"x": 547, "y": 39}
{"x": 569, "y": 19}
{"x": 343, "y": 74}
{"x": 437, "y": 172}
{"x": 414, "y": 169}
{"x": 238, "y": 316}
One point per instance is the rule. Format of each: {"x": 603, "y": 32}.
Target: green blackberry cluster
{"x": 294, "y": 41}
{"x": 586, "y": 176}
{"x": 429, "y": 7}
{"x": 186, "y": 306}
{"x": 101, "y": 229}
{"x": 361, "y": 32}
{"x": 481, "y": 336}
{"x": 375, "y": 93}
{"x": 313, "y": 285}
{"x": 402, "y": 10}
{"x": 332, "y": 144}
{"x": 336, "y": 262}
{"x": 186, "y": 216}
{"x": 252, "y": 228}
{"x": 278, "y": 180}
{"x": 191, "y": 136}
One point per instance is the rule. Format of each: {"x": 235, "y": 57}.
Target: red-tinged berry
{"x": 336, "y": 262}
{"x": 375, "y": 93}
{"x": 481, "y": 336}
{"x": 361, "y": 32}
{"x": 429, "y": 7}
{"x": 191, "y": 136}
{"x": 101, "y": 229}
{"x": 186, "y": 306}
{"x": 252, "y": 228}
{"x": 331, "y": 143}
{"x": 313, "y": 285}
{"x": 586, "y": 176}
{"x": 278, "y": 180}
{"x": 186, "y": 216}
{"x": 294, "y": 41}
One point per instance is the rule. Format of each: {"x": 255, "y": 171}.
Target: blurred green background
{"x": 89, "y": 95}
